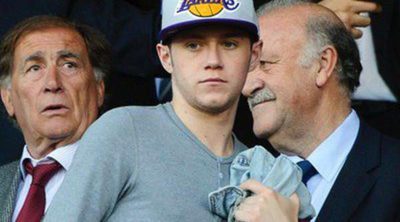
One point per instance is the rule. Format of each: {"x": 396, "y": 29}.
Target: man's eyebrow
{"x": 37, "y": 56}
{"x": 68, "y": 54}
{"x": 270, "y": 57}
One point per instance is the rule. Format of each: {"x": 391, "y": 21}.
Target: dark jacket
{"x": 368, "y": 186}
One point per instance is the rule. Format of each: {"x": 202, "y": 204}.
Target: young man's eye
{"x": 193, "y": 46}
{"x": 230, "y": 45}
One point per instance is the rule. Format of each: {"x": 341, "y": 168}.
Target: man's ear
{"x": 100, "y": 93}
{"x": 255, "y": 55}
{"x": 164, "y": 54}
{"x": 7, "y": 101}
{"x": 327, "y": 64}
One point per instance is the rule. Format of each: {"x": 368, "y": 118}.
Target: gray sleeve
{"x": 103, "y": 170}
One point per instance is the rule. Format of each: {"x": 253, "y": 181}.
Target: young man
{"x": 160, "y": 163}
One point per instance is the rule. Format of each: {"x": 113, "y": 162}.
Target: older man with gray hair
{"x": 52, "y": 86}
{"x": 300, "y": 98}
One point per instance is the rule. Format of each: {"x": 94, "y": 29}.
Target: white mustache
{"x": 261, "y": 96}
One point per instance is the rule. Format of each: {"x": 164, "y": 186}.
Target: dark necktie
{"x": 35, "y": 202}
{"x": 308, "y": 170}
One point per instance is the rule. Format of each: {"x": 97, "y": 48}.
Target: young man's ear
{"x": 164, "y": 54}
{"x": 255, "y": 55}
{"x": 327, "y": 64}
{"x": 7, "y": 101}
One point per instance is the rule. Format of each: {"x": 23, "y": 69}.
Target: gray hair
{"x": 322, "y": 29}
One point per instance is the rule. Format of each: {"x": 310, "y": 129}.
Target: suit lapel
{"x": 355, "y": 179}
{"x": 10, "y": 176}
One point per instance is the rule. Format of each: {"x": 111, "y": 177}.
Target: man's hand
{"x": 349, "y": 12}
{"x": 266, "y": 205}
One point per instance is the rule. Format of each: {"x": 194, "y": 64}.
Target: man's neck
{"x": 317, "y": 128}
{"x": 321, "y": 132}
{"x": 43, "y": 146}
{"x": 214, "y": 130}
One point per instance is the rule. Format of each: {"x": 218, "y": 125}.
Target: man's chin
{"x": 57, "y": 133}
{"x": 263, "y": 132}
{"x": 217, "y": 107}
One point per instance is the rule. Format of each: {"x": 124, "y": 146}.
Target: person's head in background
{"x": 52, "y": 80}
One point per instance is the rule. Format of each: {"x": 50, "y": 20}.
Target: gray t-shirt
{"x": 141, "y": 164}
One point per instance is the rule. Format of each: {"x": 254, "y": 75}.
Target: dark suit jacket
{"x": 368, "y": 186}
{"x": 11, "y": 139}
{"x": 386, "y": 34}
{"x": 9, "y": 180}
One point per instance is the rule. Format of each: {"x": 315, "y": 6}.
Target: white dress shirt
{"x": 62, "y": 155}
{"x": 328, "y": 159}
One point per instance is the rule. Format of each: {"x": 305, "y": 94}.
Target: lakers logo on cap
{"x": 207, "y": 8}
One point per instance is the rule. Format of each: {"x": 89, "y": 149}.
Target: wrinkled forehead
{"x": 59, "y": 35}
{"x": 279, "y": 28}
{"x": 58, "y": 41}
{"x": 281, "y": 38}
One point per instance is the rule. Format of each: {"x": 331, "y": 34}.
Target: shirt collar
{"x": 329, "y": 156}
{"x": 63, "y": 155}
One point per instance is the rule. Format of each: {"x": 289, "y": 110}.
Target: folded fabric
{"x": 280, "y": 174}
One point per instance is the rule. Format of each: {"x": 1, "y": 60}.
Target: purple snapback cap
{"x": 178, "y": 15}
